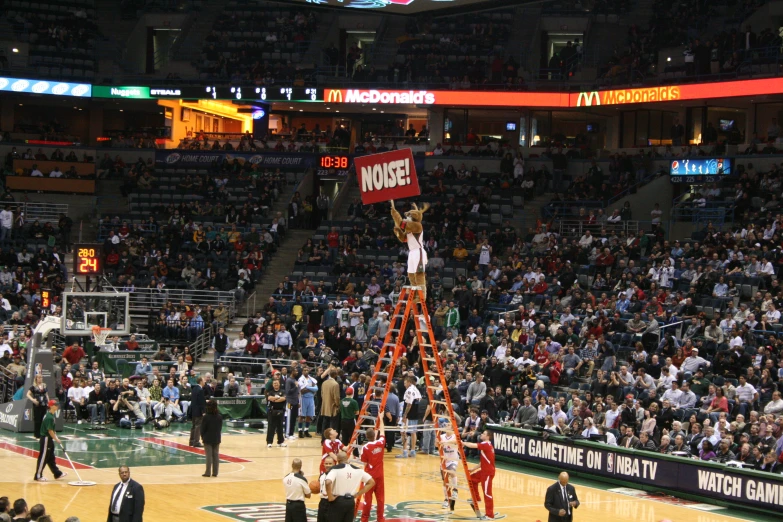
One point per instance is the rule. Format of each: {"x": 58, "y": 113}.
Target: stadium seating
{"x": 258, "y": 41}
{"x": 61, "y": 36}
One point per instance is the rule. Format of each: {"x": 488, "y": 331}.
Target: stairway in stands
{"x": 532, "y": 212}
{"x": 275, "y": 271}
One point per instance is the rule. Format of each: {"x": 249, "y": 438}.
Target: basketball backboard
{"x": 83, "y": 310}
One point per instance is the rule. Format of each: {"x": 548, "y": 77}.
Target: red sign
{"x": 386, "y": 176}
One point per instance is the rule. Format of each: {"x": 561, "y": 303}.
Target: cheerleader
{"x": 330, "y": 447}
{"x": 323, "y": 504}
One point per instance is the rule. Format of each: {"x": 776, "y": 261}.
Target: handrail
{"x": 202, "y": 343}
{"x": 146, "y": 300}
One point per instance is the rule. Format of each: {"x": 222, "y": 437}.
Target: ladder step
{"x": 370, "y": 417}
{"x": 385, "y": 374}
{"x": 428, "y": 359}
{"x": 438, "y": 401}
{"x": 432, "y": 374}
{"x": 373, "y": 388}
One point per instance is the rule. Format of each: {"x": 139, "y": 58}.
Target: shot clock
{"x": 87, "y": 259}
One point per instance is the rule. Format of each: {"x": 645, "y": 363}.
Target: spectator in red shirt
{"x": 333, "y": 241}
{"x": 74, "y": 354}
{"x": 132, "y": 344}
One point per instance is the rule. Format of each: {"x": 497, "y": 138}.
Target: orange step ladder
{"x": 411, "y": 306}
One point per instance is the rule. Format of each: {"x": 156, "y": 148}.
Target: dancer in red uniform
{"x": 483, "y": 474}
{"x": 330, "y": 446}
{"x": 372, "y": 456}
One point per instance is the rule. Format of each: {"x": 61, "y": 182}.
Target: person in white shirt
{"x": 590, "y": 428}
{"x": 772, "y": 315}
{"x": 239, "y": 344}
{"x": 586, "y": 240}
{"x": 78, "y": 399}
{"x": 673, "y": 395}
{"x": 611, "y": 440}
{"x": 735, "y": 342}
{"x": 36, "y": 172}
{"x": 449, "y": 464}
{"x": 746, "y": 395}
{"x": 6, "y": 224}
{"x": 56, "y": 173}
{"x": 775, "y": 406}
{"x": 343, "y": 486}
{"x": 410, "y": 416}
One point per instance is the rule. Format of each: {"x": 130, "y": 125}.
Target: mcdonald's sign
{"x": 334, "y": 96}
{"x": 588, "y": 99}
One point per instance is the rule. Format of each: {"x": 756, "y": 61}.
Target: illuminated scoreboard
{"x": 87, "y": 259}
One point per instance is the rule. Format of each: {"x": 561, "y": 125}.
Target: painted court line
{"x": 189, "y": 449}
{"x": 27, "y": 452}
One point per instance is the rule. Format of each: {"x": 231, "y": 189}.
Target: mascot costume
{"x": 411, "y": 231}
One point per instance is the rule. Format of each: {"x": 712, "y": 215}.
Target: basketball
{"x": 315, "y": 486}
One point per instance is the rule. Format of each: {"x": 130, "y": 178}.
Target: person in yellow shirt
{"x": 460, "y": 253}
{"x": 199, "y": 235}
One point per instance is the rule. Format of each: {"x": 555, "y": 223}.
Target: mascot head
{"x": 414, "y": 214}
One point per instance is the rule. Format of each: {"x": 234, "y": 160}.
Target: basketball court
{"x": 249, "y": 485}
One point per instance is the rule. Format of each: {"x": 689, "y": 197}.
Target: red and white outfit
{"x": 328, "y": 447}
{"x": 483, "y": 477}
{"x": 372, "y": 456}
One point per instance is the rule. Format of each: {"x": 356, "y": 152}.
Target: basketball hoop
{"x": 100, "y": 334}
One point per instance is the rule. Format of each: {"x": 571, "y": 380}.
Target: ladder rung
{"x": 385, "y": 374}
{"x": 374, "y": 403}
{"x": 434, "y": 387}
{"x": 394, "y": 330}
{"x": 370, "y": 417}
{"x": 433, "y": 374}
{"x": 438, "y": 401}
{"x": 378, "y": 388}
{"x": 428, "y": 359}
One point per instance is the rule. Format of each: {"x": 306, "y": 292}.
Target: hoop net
{"x": 100, "y": 334}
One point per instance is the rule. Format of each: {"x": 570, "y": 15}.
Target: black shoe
{"x": 205, "y": 475}
{"x": 307, "y": 435}
{"x": 215, "y": 475}
{"x": 197, "y": 445}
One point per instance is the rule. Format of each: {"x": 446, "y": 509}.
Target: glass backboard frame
{"x": 100, "y": 315}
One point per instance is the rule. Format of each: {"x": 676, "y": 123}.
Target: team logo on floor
{"x": 411, "y": 511}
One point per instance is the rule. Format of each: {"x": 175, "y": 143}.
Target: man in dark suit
{"x": 198, "y": 406}
{"x": 127, "y": 499}
{"x": 629, "y": 440}
{"x": 561, "y": 500}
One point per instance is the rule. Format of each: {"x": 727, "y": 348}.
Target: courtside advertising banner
{"x": 386, "y": 176}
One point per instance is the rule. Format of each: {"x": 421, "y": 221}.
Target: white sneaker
{"x": 282, "y": 445}
{"x": 445, "y": 504}
{"x": 268, "y": 445}
{"x": 79, "y": 421}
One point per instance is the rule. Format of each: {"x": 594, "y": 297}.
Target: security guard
{"x": 296, "y": 490}
{"x": 343, "y": 484}
{"x": 323, "y": 504}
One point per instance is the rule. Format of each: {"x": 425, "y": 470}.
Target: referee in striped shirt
{"x": 296, "y": 490}
{"x": 343, "y": 487}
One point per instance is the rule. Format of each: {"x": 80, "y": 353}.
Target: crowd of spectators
{"x": 668, "y": 346}
{"x": 462, "y": 52}
{"x": 258, "y": 42}
{"x": 693, "y": 24}
{"x": 61, "y": 38}
{"x": 20, "y": 510}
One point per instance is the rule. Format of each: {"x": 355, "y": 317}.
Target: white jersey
{"x": 448, "y": 443}
{"x": 417, "y": 256}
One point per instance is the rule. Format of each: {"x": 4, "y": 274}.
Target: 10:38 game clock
{"x": 337, "y": 162}
{"x": 87, "y": 259}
